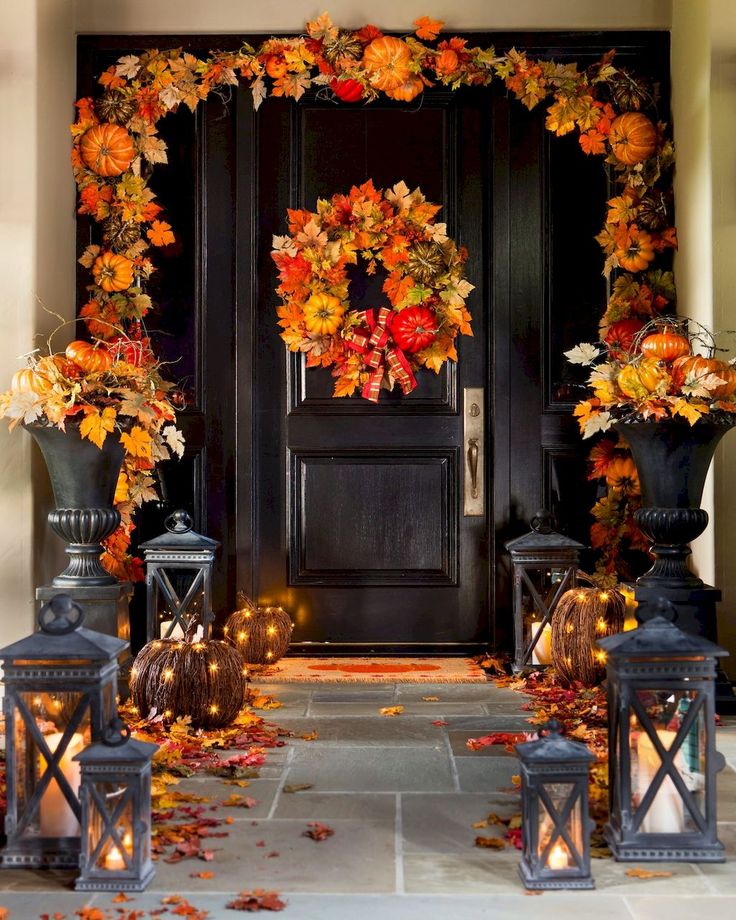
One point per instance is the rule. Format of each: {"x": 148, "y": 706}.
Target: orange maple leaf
{"x": 345, "y": 386}
{"x": 397, "y": 287}
{"x": 428, "y": 28}
{"x": 160, "y": 233}
{"x": 593, "y": 142}
{"x": 111, "y": 80}
{"x": 95, "y": 425}
{"x": 137, "y": 443}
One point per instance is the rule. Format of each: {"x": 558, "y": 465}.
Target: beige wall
{"x": 37, "y": 64}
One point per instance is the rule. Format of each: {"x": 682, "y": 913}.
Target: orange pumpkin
{"x": 107, "y": 149}
{"x": 637, "y": 381}
{"x": 727, "y": 373}
{"x": 695, "y": 367}
{"x": 113, "y": 272}
{"x": 408, "y": 89}
{"x": 347, "y": 90}
{"x": 275, "y": 66}
{"x": 666, "y": 346}
{"x": 622, "y": 475}
{"x": 633, "y": 138}
{"x": 28, "y": 380}
{"x": 446, "y": 62}
{"x": 635, "y": 251}
{"x": 90, "y": 359}
{"x": 323, "y": 314}
{"x": 386, "y": 60}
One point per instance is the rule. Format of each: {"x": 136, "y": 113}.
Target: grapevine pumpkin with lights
{"x": 582, "y": 617}
{"x": 425, "y": 287}
{"x": 203, "y": 679}
{"x": 260, "y": 634}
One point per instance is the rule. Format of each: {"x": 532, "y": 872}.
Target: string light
{"x": 242, "y": 635}
{"x": 213, "y": 666}
{"x": 134, "y": 672}
{"x": 213, "y": 708}
{"x": 168, "y": 674}
{"x": 601, "y": 625}
{"x": 271, "y": 630}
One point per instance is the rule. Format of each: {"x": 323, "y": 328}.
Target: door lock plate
{"x": 474, "y": 453}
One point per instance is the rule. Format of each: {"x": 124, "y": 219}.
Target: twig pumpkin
{"x": 260, "y": 634}
{"x": 582, "y": 616}
{"x": 202, "y": 679}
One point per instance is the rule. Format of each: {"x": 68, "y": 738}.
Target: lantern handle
{"x": 543, "y": 521}
{"x": 61, "y": 615}
{"x": 116, "y": 733}
{"x": 178, "y": 522}
{"x": 553, "y": 728}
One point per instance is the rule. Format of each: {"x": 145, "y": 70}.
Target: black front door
{"x": 359, "y": 523}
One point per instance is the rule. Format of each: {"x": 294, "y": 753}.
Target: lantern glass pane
{"x": 176, "y": 607}
{"x": 667, "y": 710}
{"x": 51, "y": 713}
{"x": 546, "y": 582}
{"x": 559, "y": 855}
{"x": 118, "y": 804}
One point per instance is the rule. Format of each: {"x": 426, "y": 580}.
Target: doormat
{"x": 374, "y": 670}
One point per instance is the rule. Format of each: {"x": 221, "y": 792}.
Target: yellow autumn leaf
{"x": 95, "y": 425}
{"x": 392, "y": 710}
{"x": 137, "y": 443}
{"x": 692, "y": 411}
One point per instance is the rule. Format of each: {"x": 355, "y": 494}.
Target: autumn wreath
{"x": 425, "y": 285}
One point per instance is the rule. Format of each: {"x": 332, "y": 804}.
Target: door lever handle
{"x": 473, "y": 464}
{"x": 473, "y": 453}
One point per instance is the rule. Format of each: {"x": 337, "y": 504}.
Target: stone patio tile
{"x": 474, "y": 693}
{"x": 486, "y": 774}
{"x": 458, "y": 743}
{"x": 726, "y": 788}
{"x": 216, "y": 790}
{"x": 24, "y": 905}
{"x": 681, "y": 908}
{"x": 722, "y": 876}
{"x": 440, "y": 823}
{"x": 610, "y": 876}
{"x": 381, "y": 730}
{"x": 37, "y": 880}
{"x": 484, "y": 725}
{"x": 363, "y": 694}
{"x": 327, "y": 806}
{"x": 395, "y": 769}
{"x": 358, "y": 858}
{"x": 442, "y": 710}
{"x": 353, "y": 709}
{"x": 456, "y": 907}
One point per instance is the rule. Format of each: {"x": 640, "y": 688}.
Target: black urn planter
{"x": 83, "y": 477}
{"x": 672, "y": 458}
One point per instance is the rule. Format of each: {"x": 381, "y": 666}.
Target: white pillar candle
{"x": 57, "y": 818}
{"x": 178, "y": 632}
{"x": 542, "y": 653}
{"x": 664, "y": 815}
{"x": 558, "y": 858}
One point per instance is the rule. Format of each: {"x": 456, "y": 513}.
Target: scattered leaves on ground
{"x": 490, "y": 843}
{"x": 430, "y": 699}
{"x": 392, "y": 710}
{"x": 297, "y": 787}
{"x": 256, "y": 900}
{"x": 318, "y": 831}
{"x": 636, "y": 872}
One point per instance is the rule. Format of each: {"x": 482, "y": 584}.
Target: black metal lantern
{"x": 545, "y": 565}
{"x": 116, "y": 813}
{"x": 179, "y": 581}
{"x": 60, "y": 689}
{"x": 556, "y": 824}
{"x": 662, "y": 756}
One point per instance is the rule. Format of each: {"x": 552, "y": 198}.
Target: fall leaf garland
{"x": 425, "y": 285}
{"x": 358, "y": 66}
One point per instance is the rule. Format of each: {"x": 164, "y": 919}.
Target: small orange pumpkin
{"x": 275, "y": 66}
{"x": 446, "y": 62}
{"x": 323, "y": 314}
{"x": 408, "y": 90}
{"x": 666, "y": 346}
{"x": 637, "y": 381}
{"x": 28, "y": 380}
{"x": 386, "y": 60}
{"x": 90, "y": 359}
{"x": 696, "y": 366}
{"x": 633, "y": 138}
{"x": 113, "y": 272}
{"x": 107, "y": 149}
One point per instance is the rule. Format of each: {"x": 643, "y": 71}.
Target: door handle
{"x": 474, "y": 453}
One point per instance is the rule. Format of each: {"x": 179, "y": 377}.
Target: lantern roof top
{"x": 179, "y": 535}
{"x": 553, "y": 747}
{"x": 62, "y": 636}
{"x": 660, "y": 637}
{"x": 542, "y": 536}
{"x": 117, "y": 747}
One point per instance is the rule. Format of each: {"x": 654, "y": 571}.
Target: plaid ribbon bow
{"x": 380, "y": 353}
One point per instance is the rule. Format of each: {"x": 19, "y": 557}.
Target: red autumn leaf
{"x": 510, "y": 738}
{"x": 257, "y": 900}
{"x": 318, "y": 831}
{"x": 207, "y": 855}
{"x": 439, "y": 722}
{"x": 121, "y": 898}
{"x": 204, "y": 875}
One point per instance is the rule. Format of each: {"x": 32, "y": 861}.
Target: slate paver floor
{"x": 402, "y": 795}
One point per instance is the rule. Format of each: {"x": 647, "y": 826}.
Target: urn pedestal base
{"x": 696, "y": 614}
{"x": 106, "y": 609}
